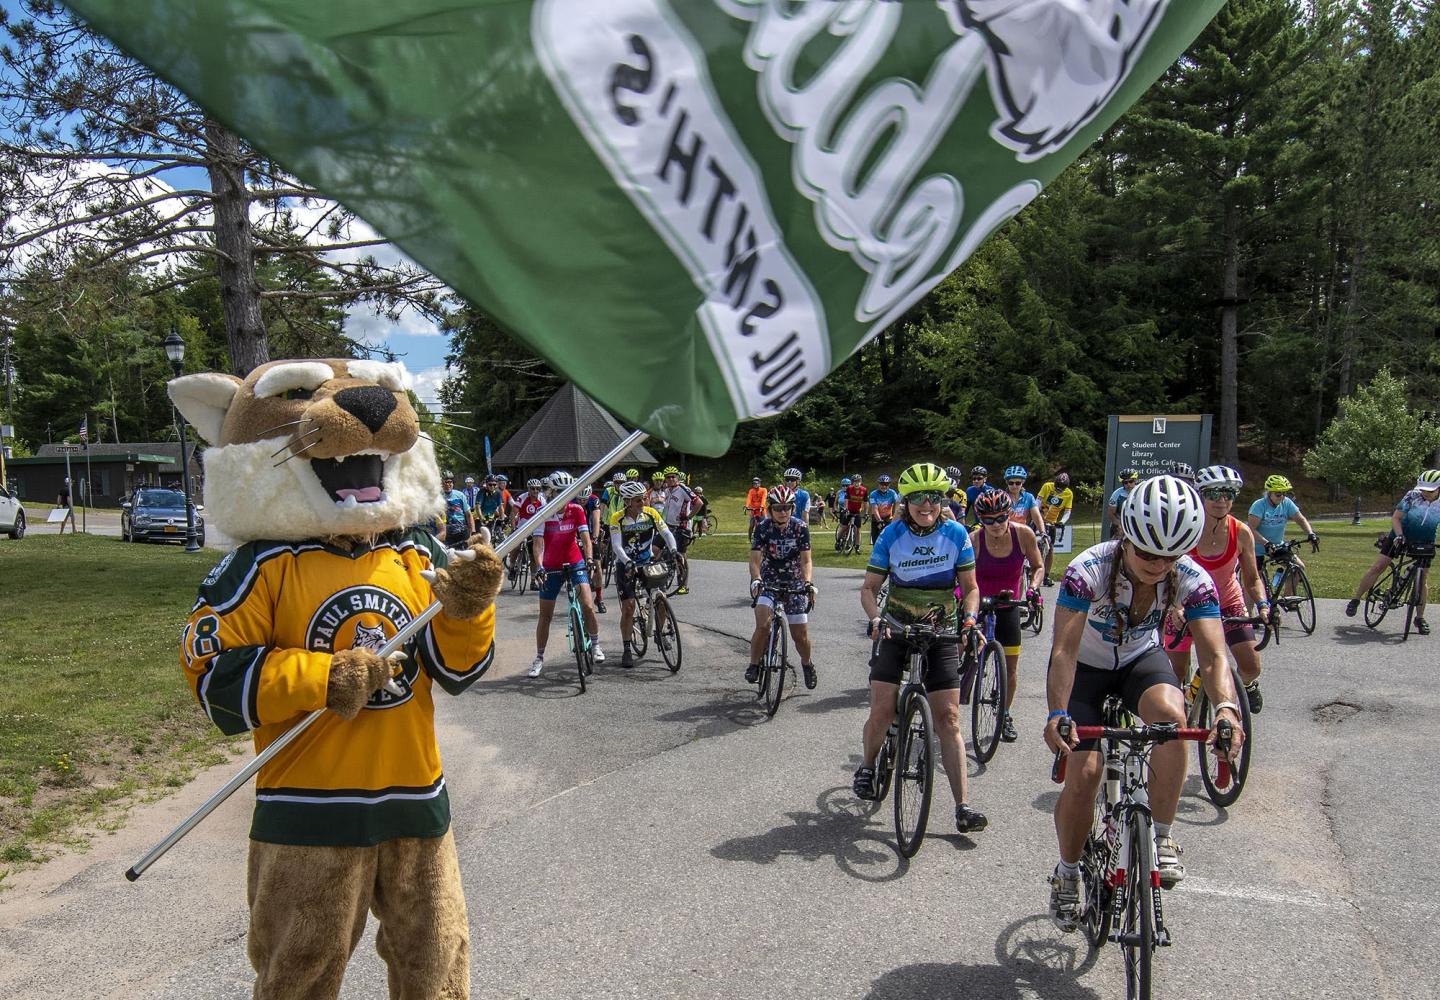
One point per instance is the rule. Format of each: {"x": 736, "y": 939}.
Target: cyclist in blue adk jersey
{"x": 928, "y": 562}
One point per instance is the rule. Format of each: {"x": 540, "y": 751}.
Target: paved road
{"x": 658, "y": 837}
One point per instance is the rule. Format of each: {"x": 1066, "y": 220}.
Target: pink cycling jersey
{"x": 1227, "y": 585}
{"x": 561, "y": 534}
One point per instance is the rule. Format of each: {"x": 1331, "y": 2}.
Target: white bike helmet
{"x": 633, "y": 491}
{"x": 559, "y": 480}
{"x": 1218, "y": 475}
{"x": 532, "y": 484}
{"x": 791, "y": 473}
{"x": 1163, "y": 516}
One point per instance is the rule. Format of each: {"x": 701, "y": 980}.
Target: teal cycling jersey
{"x": 921, "y": 568}
{"x": 1419, "y": 518}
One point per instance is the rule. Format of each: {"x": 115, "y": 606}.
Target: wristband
{"x": 1056, "y": 714}
{"x": 1227, "y": 704}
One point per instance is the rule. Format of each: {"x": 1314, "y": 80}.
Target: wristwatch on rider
{"x": 1230, "y": 705}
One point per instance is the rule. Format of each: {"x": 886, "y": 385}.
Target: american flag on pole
{"x": 85, "y": 429}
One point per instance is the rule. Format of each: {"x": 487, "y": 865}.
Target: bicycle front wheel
{"x": 1093, "y": 878}
{"x": 1378, "y": 598}
{"x": 1210, "y": 765}
{"x": 1304, "y": 602}
{"x": 772, "y": 682}
{"x": 577, "y": 644}
{"x": 667, "y": 633}
{"x": 987, "y": 701}
{"x": 914, "y": 773}
{"x": 1137, "y": 937}
{"x": 1037, "y": 618}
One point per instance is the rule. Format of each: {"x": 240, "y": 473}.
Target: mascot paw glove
{"x": 469, "y": 586}
{"x": 355, "y": 675}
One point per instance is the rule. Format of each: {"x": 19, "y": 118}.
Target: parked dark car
{"x": 156, "y": 514}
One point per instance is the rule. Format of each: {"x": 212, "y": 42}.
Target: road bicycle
{"x": 653, "y": 614}
{"x": 706, "y": 524}
{"x": 984, "y": 679}
{"x": 521, "y": 568}
{"x": 847, "y": 534}
{"x": 1033, "y": 617}
{"x": 775, "y": 665}
{"x": 1288, "y": 588}
{"x": 1222, "y": 784}
{"x": 753, "y": 518}
{"x": 1400, "y": 587}
{"x": 1120, "y": 881}
{"x": 906, "y": 756}
{"x": 582, "y": 645}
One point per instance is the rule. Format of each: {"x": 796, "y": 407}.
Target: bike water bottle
{"x": 1194, "y": 691}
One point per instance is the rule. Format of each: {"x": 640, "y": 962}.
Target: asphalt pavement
{"x": 658, "y": 836}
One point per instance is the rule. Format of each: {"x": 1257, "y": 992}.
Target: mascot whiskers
{"x": 318, "y": 472}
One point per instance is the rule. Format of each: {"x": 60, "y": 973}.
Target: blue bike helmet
{"x": 844, "y": 482}
{"x": 1017, "y": 472}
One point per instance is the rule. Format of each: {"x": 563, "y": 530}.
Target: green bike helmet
{"x": 670, "y": 470}
{"x": 1429, "y": 480}
{"x": 1277, "y": 484}
{"x": 923, "y": 476}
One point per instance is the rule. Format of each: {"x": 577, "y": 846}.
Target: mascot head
{"x": 311, "y": 449}
{"x": 1053, "y": 64}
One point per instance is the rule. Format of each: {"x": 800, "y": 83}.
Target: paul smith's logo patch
{"x": 363, "y": 618}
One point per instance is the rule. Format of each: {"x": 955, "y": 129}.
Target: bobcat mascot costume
{"x": 318, "y": 472}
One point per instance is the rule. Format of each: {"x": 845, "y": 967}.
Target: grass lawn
{"x": 94, "y": 711}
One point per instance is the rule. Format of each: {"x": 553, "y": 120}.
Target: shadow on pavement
{"x": 730, "y": 711}
{"x": 854, "y": 698}
{"x": 559, "y": 680}
{"x": 1195, "y": 807}
{"x": 1360, "y": 635}
{"x": 1033, "y": 958}
{"x": 841, "y": 827}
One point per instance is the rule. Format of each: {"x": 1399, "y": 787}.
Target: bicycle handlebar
{"x": 1254, "y": 621}
{"x": 1158, "y": 733}
{"x": 916, "y": 633}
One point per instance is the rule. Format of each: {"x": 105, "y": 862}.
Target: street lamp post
{"x": 175, "y": 351}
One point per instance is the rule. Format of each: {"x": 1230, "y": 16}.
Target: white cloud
{"x": 427, "y": 385}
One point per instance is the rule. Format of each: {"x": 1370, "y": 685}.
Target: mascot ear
{"x": 204, "y": 399}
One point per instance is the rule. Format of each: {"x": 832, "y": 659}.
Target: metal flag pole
{"x": 396, "y": 642}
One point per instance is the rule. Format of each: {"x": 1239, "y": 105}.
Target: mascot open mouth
{"x": 351, "y": 479}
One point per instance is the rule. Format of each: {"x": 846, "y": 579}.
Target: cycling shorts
{"x": 891, "y": 660}
{"x": 555, "y": 580}
{"x": 1007, "y": 629}
{"x": 1093, "y": 685}
{"x": 797, "y": 606}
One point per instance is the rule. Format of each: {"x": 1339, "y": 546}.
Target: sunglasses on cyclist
{"x": 924, "y": 496}
{"x": 1219, "y": 493}
{"x": 1150, "y": 557}
{"x": 997, "y": 519}
{"x": 782, "y": 506}
{"x": 1014, "y": 482}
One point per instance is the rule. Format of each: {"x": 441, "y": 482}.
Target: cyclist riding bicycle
{"x": 633, "y": 532}
{"x": 1001, "y": 550}
{"x": 1226, "y": 551}
{"x": 979, "y": 483}
{"x": 856, "y": 498}
{"x": 780, "y": 556}
{"x": 489, "y": 504}
{"x": 930, "y": 564}
{"x": 755, "y": 503}
{"x": 1024, "y": 509}
{"x": 1415, "y": 521}
{"x": 699, "y": 508}
{"x": 1112, "y": 600}
{"x": 883, "y": 501}
{"x": 675, "y": 507}
{"x": 565, "y": 553}
{"x": 1057, "y": 501}
{"x": 792, "y": 479}
{"x": 459, "y": 518}
{"x": 1269, "y": 515}
{"x": 1128, "y": 479}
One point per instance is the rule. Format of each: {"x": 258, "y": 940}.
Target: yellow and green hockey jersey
{"x": 257, "y": 650}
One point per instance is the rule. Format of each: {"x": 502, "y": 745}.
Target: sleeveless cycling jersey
{"x": 996, "y": 573}
{"x": 1085, "y": 588}
{"x": 1222, "y": 571}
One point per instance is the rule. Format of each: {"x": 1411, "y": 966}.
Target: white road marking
{"x": 1259, "y": 894}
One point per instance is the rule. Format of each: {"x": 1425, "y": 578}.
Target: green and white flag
{"x": 692, "y": 208}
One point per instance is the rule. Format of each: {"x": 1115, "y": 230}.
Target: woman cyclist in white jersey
{"x": 1106, "y": 641}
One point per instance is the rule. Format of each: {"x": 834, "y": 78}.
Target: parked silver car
{"x": 156, "y": 514}
{"x": 12, "y": 515}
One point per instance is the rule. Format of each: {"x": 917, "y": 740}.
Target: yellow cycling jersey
{"x": 1055, "y": 503}
{"x": 637, "y": 534}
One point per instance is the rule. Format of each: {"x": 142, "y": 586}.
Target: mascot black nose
{"x": 369, "y": 404}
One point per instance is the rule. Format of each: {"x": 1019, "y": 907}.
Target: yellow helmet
{"x": 1277, "y": 484}
{"x": 923, "y": 476}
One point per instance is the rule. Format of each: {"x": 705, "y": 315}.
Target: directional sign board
{"x": 1150, "y": 442}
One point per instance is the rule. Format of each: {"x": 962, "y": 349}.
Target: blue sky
{"x": 416, "y": 341}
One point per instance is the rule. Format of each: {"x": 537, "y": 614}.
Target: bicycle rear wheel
{"x": 711, "y": 524}
{"x": 914, "y": 773}
{"x": 1137, "y": 937}
{"x": 1304, "y": 602}
{"x": 640, "y": 627}
{"x": 987, "y": 701}
{"x": 1037, "y": 618}
{"x": 1209, "y": 763}
{"x": 1409, "y": 608}
{"x": 577, "y": 644}
{"x": 772, "y": 682}
{"x": 667, "y": 634}
{"x": 1378, "y": 598}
